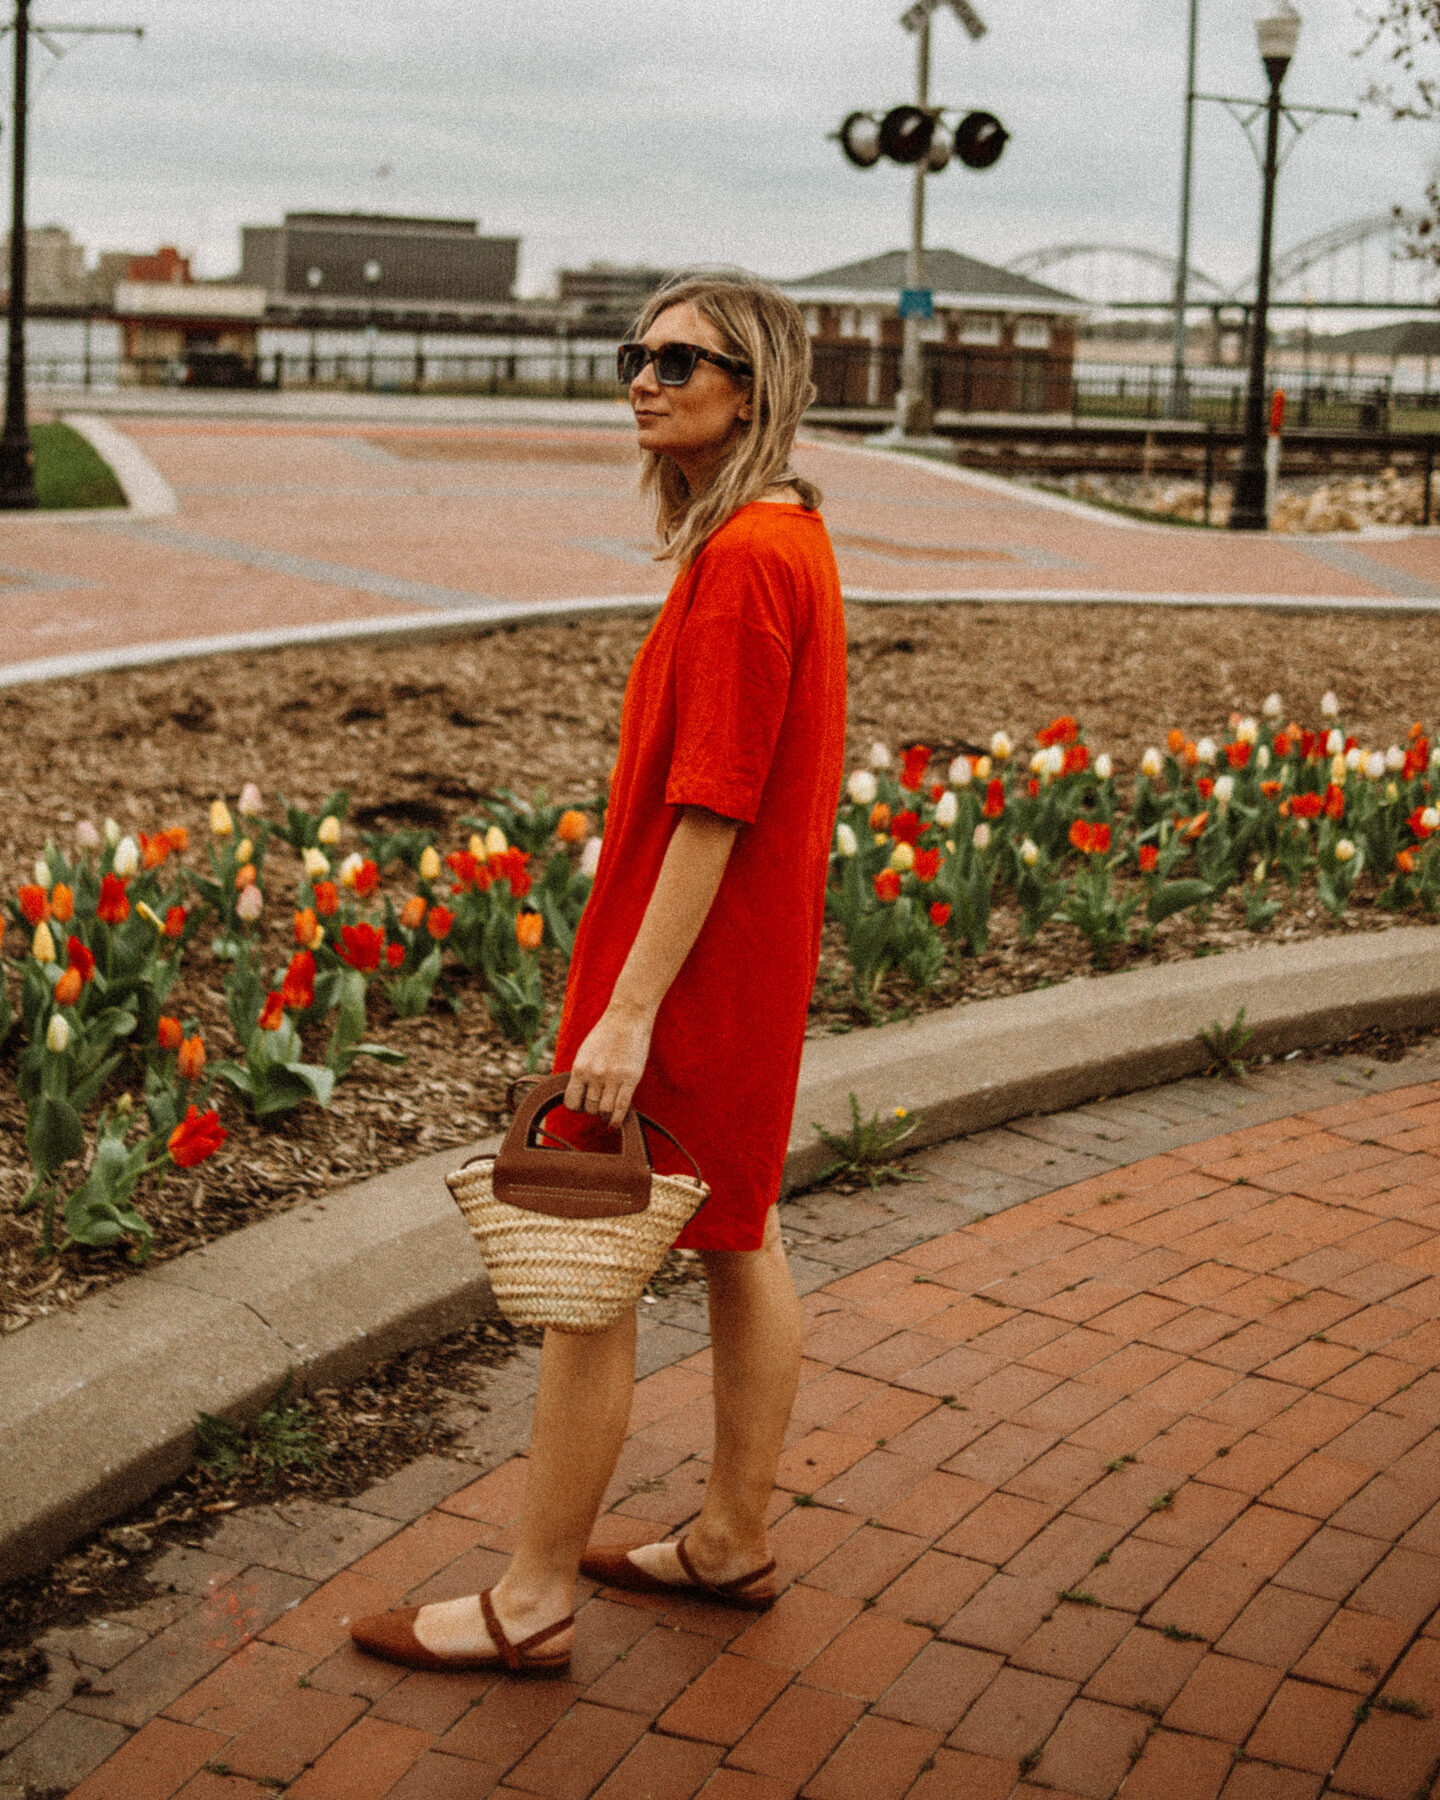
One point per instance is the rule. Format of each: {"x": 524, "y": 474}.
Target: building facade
{"x": 377, "y": 259}
{"x": 997, "y": 342}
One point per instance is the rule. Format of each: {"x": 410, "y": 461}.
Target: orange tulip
{"x": 326, "y": 899}
{"x": 572, "y": 827}
{"x": 34, "y": 903}
{"x": 309, "y": 933}
{"x": 1175, "y": 742}
{"x": 439, "y": 921}
{"x": 67, "y": 988}
{"x": 272, "y": 1013}
{"x": 190, "y": 1062}
{"x": 171, "y": 1033}
{"x": 244, "y": 877}
{"x": 529, "y": 930}
{"x": 412, "y": 914}
{"x": 62, "y": 903}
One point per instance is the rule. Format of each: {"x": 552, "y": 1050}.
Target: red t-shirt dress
{"x": 736, "y": 703}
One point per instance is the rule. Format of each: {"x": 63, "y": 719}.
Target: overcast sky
{"x": 663, "y": 132}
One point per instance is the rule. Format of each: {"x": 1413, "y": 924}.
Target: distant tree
{"x": 1408, "y": 33}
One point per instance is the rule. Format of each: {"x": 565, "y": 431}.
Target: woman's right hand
{"x": 609, "y": 1064}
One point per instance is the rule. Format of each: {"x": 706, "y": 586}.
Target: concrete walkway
{"x": 291, "y": 525}
{"x": 1130, "y": 1487}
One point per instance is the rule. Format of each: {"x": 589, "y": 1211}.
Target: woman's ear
{"x": 745, "y": 412}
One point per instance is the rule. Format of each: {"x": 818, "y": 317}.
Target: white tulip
{"x": 1247, "y": 731}
{"x": 112, "y": 832}
{"x": 1330, "y": 704}
{"x": 982, "y": 836}
{"x": 1152, "y": 764}
{"x": 1262, "y": 758}
{"x": 863, "y": 788}
{"x": 1435, "y": 759}
{"x": 879, "y": 756}
{"x": 1335, "y": 743}
{"x": 1375, "y": 765}
{"x": 1273, "y": 706}
{"x": 962, "y": 772}
{"x": 127, "y": 858}
{"x": 1224, "y": 790}
{"x": 946, "y": 809}
{"x": 845, "y": 840}
{"x": 250, "y": 904}
{"x": 1205, "y": 750}
{"x": 317, "y": 864}
{"x": 1430, "y": 818}
{"x": 1104, "y": 768}
{"x": 590, "y": 857}
{"x": 1394, "y": 759}
{"x": 1054, "y": 760}
{"x": 57, "y": 1034}
{"x": 1000, "y": 746}
{"x": 350, "y": 868}
{"x": 250, "y": 802}
{"x": 1344, "y": 850}
{"x": 328, "y": 831}
{"x": 42, "y": 873}
{"x": 496, "y": 843}
{"x": 87, "y": 835}
{"x": 1029, "y": 853}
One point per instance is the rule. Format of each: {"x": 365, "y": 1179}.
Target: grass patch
{"x": 69, "y": 472}
{"x": 283, "y": 1436}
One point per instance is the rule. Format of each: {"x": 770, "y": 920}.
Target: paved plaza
{"x": 283, "y": 524}
{"x": 1130, "y": 1487}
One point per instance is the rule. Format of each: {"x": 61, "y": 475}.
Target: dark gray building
{"x": 380, "y": 258}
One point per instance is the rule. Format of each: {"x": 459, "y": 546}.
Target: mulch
{"x": 421, "y": 734}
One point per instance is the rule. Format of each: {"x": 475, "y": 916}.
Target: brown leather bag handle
{"x": 525, "y": 1083}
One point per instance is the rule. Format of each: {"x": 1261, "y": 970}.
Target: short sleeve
{"x": 732, "y": 681}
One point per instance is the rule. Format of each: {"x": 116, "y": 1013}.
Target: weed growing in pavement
{"x": 1391, "y": 1703}
{"x": 1163, "y": 1501}
{"x": 282, "y": 1436}
{"x": 1226, "y": 1044}
{"x": 1080, "y": 1597}
{"x": 866, "y": 1152}
{"x": 1177, "y": 1636}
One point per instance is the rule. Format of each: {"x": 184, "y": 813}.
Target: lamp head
{"x": 1277, "y": 31}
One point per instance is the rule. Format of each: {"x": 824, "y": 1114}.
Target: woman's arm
{"x": 610, "y": 1062}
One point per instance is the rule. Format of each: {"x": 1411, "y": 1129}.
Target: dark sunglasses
{"x": 674, "y": 363}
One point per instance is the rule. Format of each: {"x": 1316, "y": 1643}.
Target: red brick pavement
{"x": 1149, "y": 1505}
{"x": 521, "y": 514}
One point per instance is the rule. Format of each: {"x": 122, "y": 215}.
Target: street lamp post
{"x": 1179, "y": 394}
{"x": 17, "y": 457}
{"x": 913, "y": 412}
{"x": 1277, "y": 32}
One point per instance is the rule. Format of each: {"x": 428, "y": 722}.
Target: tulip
{"x": 272, "y": 1013}
{"x": 572, "y": 827}
{"x": 879, "y": 756}
{"x": 1375, "y": 765}
{"x": 529, "y": 930}
{"x": 1394, "y": 759}
{"x": 244, "y": 877}
{"x": 149, "y": 915}
{"x": 190, "y": 1061}
{"x": 317, "y": 864}
{"x": 1430, "y": 818}
{"x": 1435, "y": 759}
{"x": 845, "y": 840}
{"x": 80, "y": 958}
{"x": 57, "y": 1034}
{"x": 328, "y": 831}
{"x": 87, "y": 835}
{"x": 67, "y": 988}
{"x": 438, "y": 922}
{"x": 221, "y": 824}
{"x": 1054, "y": 761}
{"x": 326, "y": 899}
{"x": 196, "y": 1138}
{"x": 982, "y": 837}
{"x": 309, "y": 933}
{"x": 367, "y": 878}
{"x": 476, "y": 847}
{"x": 412, "y": 913}
{"x": 42, "y": 945}
{"x": 1152, "y": 765}
{"x": 1104, "y": 768}
{"x": 127, "y": 858}
{"x": 394, "y": 955}
{"x": 1392, "y": 792}
{"x": 112, "y": 833}
{"x": 250, "y": 904}
{"x": 244, "y": 850}
{"x": 430, "y": 861}
{"x": 297, "y": 991}
{"x": 1224, "y": 789}
{"x": 983, "y": 767}
{"x": 1000, "y": 746}
{"x": 1354, "y": 759}
{"x": 1205, "y": 751}
{"x": 862, "y": 788}
{"x": 947, "y": 809}
{"x": 361, "y": 946}
{"x": 250, "y": 802}
{"x": 1262, "y": 758}
{"x": 169, "y": 1033}
{"x": 1330, "y": 704}
{"x": 1260, "y": 871}
{"x": 34, "y": 904}
{"x": 590, "y": 857}
{"x": 1338, "y": 770}
{"x": 1149, "y": 859}
{"x": 939, "y": 914}
{"x": 349, "y": 869}
{"x": 1246, "y": 731}
{"x": 887, "y": 887}
{"x": 1273, "y": 706}
{"x": 112, "y": 908}
{"x": 496, "y": 843}
{"x": 902, "y": 857}
{"x": 62, "y": 903}
{"x": 1029, "y": 853}
{"x": 1344, "y": 850}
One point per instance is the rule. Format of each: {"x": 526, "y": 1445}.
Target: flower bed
{"x": 421, "y": 740}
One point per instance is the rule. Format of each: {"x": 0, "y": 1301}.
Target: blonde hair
{"x": 765, "y": 328}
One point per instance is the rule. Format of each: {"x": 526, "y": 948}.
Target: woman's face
{"x": 692, "y": 425}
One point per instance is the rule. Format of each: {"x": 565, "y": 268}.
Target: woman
{"x": 694, "y": 961}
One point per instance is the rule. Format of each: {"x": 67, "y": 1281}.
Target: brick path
{"x": 285, "y": 525}
{"x": 1129, "y": 1487}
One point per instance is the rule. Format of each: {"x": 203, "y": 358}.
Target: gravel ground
{"x": 420, "y": 733}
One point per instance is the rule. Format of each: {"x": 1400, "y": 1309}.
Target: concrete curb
{"x": 97, "y": 1406}
{"x": 148, "y": 495}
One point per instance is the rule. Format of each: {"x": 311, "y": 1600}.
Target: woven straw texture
{"x": 571, "y": 1274}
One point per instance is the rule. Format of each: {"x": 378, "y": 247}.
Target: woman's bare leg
{"x": 755, "y": 1335}
{"x": 581, "y": 1410}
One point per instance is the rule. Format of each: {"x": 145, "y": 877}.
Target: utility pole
{"x": 17, "y": 455}
{"x": 1179, "y": 392}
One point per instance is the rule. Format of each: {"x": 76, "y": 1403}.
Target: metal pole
{"x": 17, "y": 457}
{"x": 1179, "y": 397}
{"x": 913, "y": 417}
{"x": 1248, "y": 511}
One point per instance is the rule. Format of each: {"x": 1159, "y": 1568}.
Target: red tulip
{"x": 887, "y": 886}
{"x": 994, "y": 799}
{"x": 361, "y": 946}
{"x": 438, "y": 922}
{"x": 80, "y": 958}
{"x": 196, "y": 1138}
{"x": 171, "y": 1033}
{"x": 272, "y": 1013}
{"x": 34, "y": 903}
{"x": 927, "y": 864}
{"x": 905, "y": 827}
{"x": 326, "y": 899}
{"x": 1149, "y": 857}
{"x": 112, "y": 908}
{"x": 297, "y": 991}
{"x": 939, "y": 915}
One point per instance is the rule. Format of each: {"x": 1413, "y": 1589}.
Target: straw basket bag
{"x": 570, "y": 1237}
